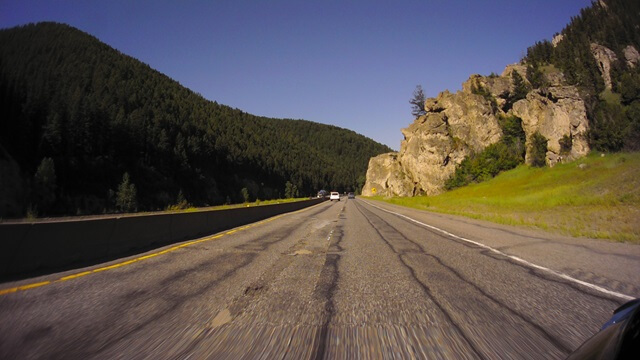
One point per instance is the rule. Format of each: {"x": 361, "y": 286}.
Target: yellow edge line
{"x": 145, "y": 257}
{"x": 74, "y": 276}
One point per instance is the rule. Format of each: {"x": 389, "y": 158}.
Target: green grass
{"x": 601, "y": 200}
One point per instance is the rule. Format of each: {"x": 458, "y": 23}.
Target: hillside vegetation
{"x": 85, "y": 129}
{"x": 597, "y": 197}
{"x": 614, "y": 114}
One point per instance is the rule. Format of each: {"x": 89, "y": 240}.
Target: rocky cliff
{"x": 604, "y": 58}
{"x": 456, "y": 125}
{"x": 555, "y": 112}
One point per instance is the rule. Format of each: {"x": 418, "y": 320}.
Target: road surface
{"x": 349, "y": 279}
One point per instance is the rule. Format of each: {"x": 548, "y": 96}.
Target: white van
{"x": 334, "y": 196}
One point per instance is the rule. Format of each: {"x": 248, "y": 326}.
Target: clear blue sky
{"x": 353, "y": 64}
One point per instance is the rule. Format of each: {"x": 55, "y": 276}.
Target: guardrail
{"x": 37, "y": 246}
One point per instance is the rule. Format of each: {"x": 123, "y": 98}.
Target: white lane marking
{"x": 514, "y": 258}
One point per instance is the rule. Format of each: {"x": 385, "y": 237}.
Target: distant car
{"x": 322, "y": 193}
{"x": 351, "y": 195}
{"x": 334, "y": 196}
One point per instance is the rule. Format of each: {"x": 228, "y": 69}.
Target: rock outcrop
{"x": 604, "y": 57}
{"x": 498, "y": 86}
{"x": 456, "y": 125}
{"x": 556, "y": 40}
{"x": 509, "y": 69}
{"x": 385, "y": 177}
{"x": 603, "y": 4}
{"x": 554, "y": 113}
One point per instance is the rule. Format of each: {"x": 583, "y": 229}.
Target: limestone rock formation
{"x": 434, "y": 144}
{"x": 556, "y": 40}
{"x": 604, "y": 57}
{"x": 520, "y": 68}
{"x": 556, "y": 112}
{"x": 385, "y": 177}
{"x": 455, "y": 125}
{"x": 498, "y": 86}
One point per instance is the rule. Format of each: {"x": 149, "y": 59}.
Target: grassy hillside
{"x": 596, "y": 197}
{"x": 85, "y": 129}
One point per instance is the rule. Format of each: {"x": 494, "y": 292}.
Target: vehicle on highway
{"x": 322, "y": 193}
{"x": 351, "y": 195}
{"x": 619, "y": 338}
{"x": 334, "y": 196}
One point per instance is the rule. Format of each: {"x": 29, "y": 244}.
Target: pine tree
{"x": 245, "y": 194}
{"x": 538, "y": 150}
{"x": 290, "y": 190}
{"x": 126, "y": 197}
{"x": 417, "y": 102}
{"x": 45, "y": 185}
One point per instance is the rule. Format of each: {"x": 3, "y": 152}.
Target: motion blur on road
{"x": 348, "y": 279}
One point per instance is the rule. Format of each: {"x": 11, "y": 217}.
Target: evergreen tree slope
{"x": 99, "y": 114}
{"x": 614, "y": 113}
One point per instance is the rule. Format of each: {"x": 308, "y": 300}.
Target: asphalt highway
{"x": 352, "y": 279}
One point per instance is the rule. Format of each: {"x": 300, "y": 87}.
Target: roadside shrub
{"x": 483, "y": 165}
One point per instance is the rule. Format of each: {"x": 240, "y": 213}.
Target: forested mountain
{"x": 606, "y": 34}
{"x": 81, "y": 122}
